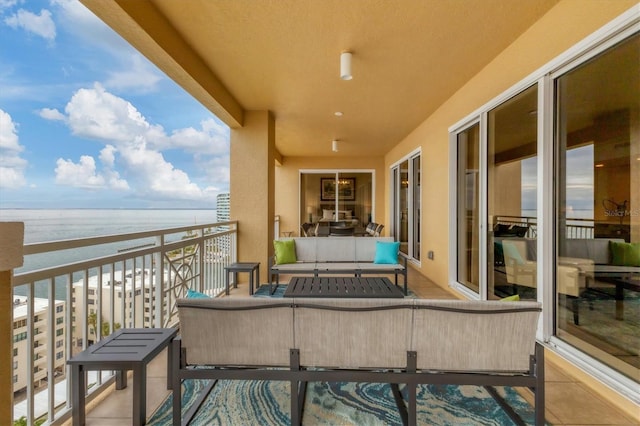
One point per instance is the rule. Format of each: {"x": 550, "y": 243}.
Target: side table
{"x": 249, "y": 267}
{"x": 126, "y": 349}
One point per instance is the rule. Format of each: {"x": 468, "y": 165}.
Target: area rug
{"x": 258, "y": 402}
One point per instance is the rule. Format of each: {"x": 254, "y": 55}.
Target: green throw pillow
{"x": 514, "y": 298}
{"x": 285, "y": 251}
{"x": 624, "y": 254}
{"x": 386, "y": 252}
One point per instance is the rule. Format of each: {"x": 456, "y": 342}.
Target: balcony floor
{"x": 568, "y": 401}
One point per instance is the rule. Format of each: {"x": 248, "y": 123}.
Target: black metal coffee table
{"x": 126, "y": 349}
{"x": 346, "y": 287}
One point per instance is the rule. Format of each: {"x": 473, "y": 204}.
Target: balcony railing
{"x": 575, "y": 228}
{"x": 61, "y": 309}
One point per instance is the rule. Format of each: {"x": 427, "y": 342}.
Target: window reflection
{"x": 598, "y": 207}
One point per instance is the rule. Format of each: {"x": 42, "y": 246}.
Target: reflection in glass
{"x": 468, "y": 206}
{"x": 511, "y": 196}
{"x": 598, "y": 207}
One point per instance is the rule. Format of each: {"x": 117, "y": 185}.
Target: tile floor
{"x": 568, "y": 401}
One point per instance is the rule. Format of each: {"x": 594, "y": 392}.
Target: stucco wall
{"x": 561, "y": 28}
{"x": 287, "y": 177}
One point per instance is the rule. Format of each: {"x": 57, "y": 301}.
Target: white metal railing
{"x": 61, "y": 309}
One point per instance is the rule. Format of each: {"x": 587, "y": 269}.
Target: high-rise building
{"x": 223, "y": 207}
{"x": 40, "y": 336}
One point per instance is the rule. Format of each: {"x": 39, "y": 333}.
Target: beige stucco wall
{"x": 561, "y": 28}
{"x": 287, "y": 178}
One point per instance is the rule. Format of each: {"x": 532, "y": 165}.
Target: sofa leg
{"x": 402, "y": 408}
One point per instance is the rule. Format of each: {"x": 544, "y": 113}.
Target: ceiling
{"x": 409, "y": 56}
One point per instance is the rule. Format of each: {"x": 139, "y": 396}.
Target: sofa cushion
{"x": 285, "y": 251}
{"x": 386, "y": 252}
{"x": 336, "y": 249}
{"x": 306, "y": 249}
{"x": 625, "y": 254}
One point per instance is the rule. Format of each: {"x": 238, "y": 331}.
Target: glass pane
{"x": 597, "y": 271}
{"x": 403, "y": 235}
{"x": 335, "y": 199}
{"x": 511, "y": 197}
{"x": 468, "y": 214}
{"x": 415, "y": 183}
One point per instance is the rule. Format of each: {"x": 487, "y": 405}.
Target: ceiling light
{"x": 599, "y": 165}
{"x": 338, "y": 113}
{"x": 334, "y": 145}
{"x": 345, "y": 66}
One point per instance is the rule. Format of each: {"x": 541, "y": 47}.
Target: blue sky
{"x": 86, "y": 121}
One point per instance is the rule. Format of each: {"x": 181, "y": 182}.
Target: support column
{"x": 252, "y": 186}
{"x": 11, "y": 257}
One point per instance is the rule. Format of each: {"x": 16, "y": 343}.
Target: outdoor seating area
{"x": 347, "y": 256}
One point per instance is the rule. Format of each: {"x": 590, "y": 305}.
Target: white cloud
{"x": 41, "y": 25}
{"x": 6, "y": 4}
{"x": 85, "y": 173}
{"x": 97, "y": 114}
{"x": 51, "y": 114}
{"x": 81, "y": 175}
{"x": 138, "y": 75}
{"x": 107, "y": 155}
{"x": 12, "y": 166}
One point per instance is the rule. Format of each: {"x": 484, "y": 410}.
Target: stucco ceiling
{"x": 409, "y": 56}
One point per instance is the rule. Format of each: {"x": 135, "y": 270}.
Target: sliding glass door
{"x": 598, "y": 207}
{"x": 342, "y": 198}
{"x": 405, "y": 212}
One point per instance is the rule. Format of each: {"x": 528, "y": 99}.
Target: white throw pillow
{"x": 327, "y": 214}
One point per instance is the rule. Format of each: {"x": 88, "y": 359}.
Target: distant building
{"x": 40, "y": 335}
{"x": 223, "y": 207}
{"x": 130, "y": 308}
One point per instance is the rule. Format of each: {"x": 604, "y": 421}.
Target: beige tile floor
{"x": 568, "y": 401}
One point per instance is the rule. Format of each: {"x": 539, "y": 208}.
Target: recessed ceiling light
{"x": 599, "y": 165}
{"x": 338, "y": 113}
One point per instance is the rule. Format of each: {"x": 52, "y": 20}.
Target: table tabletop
{"x": 126, "y": 345}
{"x": 345, "y": 287}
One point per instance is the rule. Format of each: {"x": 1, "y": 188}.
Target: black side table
{"x": 249, "y": 267}
{"x": 126, "y": 349}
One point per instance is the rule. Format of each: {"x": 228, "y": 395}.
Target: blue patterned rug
{"x": 258, "y": 402}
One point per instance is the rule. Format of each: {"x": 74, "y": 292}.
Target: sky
{"x": 88, "y": 122}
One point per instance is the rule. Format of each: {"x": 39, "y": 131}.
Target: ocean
{"x": 64, "y": 224}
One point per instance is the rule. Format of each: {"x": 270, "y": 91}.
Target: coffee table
{"x": 346, "y": 287}
{"x": 126, "y": 349}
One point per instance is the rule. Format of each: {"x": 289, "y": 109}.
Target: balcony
{"x": 176, "y": 259}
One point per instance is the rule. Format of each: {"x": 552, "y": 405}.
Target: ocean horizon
{"x": 43, "y": 225}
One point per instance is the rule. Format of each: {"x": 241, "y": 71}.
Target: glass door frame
{"x": 336, "y": 173}
{"x": 394, "y": 183}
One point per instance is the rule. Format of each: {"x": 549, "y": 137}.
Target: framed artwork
{"x": 346, "y": 189}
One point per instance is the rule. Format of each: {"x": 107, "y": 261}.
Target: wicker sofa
{"x": 395, "y": 341}
{"x": 337, "y": 255}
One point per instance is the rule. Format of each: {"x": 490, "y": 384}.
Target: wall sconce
{"x": 345, "y": 66}
{"x": 334, "y": 145}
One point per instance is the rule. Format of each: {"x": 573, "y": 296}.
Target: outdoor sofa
{"x": 337, "y": 255}
{"x": 395, "y": 341}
